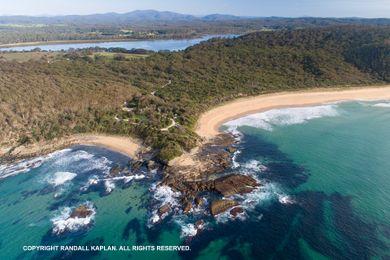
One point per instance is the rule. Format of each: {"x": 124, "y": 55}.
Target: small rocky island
{"x": 81, "y": 211}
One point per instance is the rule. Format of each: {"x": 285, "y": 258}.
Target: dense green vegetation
{"x": 139, "y": 97}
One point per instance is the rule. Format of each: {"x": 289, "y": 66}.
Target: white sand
{"x": 209, "y": 123}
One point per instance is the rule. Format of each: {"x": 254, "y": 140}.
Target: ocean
{"x": 324, "y": 194}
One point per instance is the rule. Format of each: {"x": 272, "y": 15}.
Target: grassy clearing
{"x": 110, "y": 55}
{"x": 27, "y": 56}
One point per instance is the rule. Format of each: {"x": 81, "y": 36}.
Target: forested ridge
{"x": 140, "y": 97}
{"x": 151, "y": 24}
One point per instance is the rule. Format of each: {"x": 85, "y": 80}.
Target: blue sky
{"x": 288, "y": 8}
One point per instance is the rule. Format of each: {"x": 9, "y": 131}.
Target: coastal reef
{"x": 208, "y": 178}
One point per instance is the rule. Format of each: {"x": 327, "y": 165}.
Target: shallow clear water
{"x": 325, "y": 180}
{"x": 152, "y": 45}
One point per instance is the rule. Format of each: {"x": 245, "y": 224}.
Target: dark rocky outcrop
{"x": 187, "y": 207}
{"x": 136, "y": 165}
{"x": 193, "y": 181}
{"x": 220, "y": 206}
{"x": 236, "y": 211}
{"x": 235, "y": 184}
{"x": 116, "y": 170}
{"x": 198, "y": 201}
{"x": 81, "y": 212}
{"x": 164, "y": 209}
{"x": 199, "y": 224}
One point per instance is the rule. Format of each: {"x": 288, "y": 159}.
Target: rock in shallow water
{"x": 199, "y": 201}
{"x": 164, "y": 209}
{"x": 116, "y": 170}
{"x": 235, "y": 184}
{"x": 187, "y": 207}
{"x": 236, "y": 211}
{"x": 81, "y": 212}
{"x": 199, "y": 224}
{"x": 220, "y": 206}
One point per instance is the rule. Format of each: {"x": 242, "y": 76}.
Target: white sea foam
{"x": 60, "y": 178}
{"x": 93, "y": 180}
{"x": 62, "y": 222}
{"x": 286, "y": 116}
{"x": 110, "y": 185}
{"x": 234, "y": 159}
{"x": 164, "y": 195}
{"x": 188, "y": 230}
{"x": 85, "y": 162}
{"x": 224, "y": 217}
{"x": 73, "y": 158}
{"x": 101, "y": 164}
{"x": 265, "y": 193}
{"x": 382, "y": 105}
{"x": 24, "y": 166}
{"x": 285, "y": 199}
{"x": 127, "y": 179}
{"x": 254, "y": 166}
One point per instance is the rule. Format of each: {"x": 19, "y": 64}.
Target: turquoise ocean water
{"x": 325, "y": 174}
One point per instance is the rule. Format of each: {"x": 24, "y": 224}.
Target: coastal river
{"x": 325, "y": 175}
{"x": 152, "y": 45}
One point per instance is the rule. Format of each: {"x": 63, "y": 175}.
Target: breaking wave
{"x": 85, "y": 161}
{"x": 24, "y": 166}
{"x": 110, "y": 185}
{"x": 63, "y": 222}
{"x": 383, "y": 105}
{"x": 162, "y": 195}
{"x": 254, "y": 166}
{"x": 190, "y": 229}
{"x": 60, "y": 178}
{"x": 280, "y": 117}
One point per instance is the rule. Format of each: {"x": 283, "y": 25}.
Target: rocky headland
{"x": 206, "y": 176}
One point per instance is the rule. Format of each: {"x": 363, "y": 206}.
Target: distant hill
{"x": 148, "y": 16}
{"x": 110, "y": 18}
{"x": 221, "y": 17}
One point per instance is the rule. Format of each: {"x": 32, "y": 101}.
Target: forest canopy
{"x": 43, "y": 100}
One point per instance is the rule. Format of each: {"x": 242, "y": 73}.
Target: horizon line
{"x": 194, "y": 15}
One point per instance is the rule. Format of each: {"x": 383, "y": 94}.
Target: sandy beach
{"x": 125, "y": 145}
{"x": 209, "y": 123}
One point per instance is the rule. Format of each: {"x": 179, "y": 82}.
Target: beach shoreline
{"x": 209, "y": 123}
{"x": 125, "y": 145}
